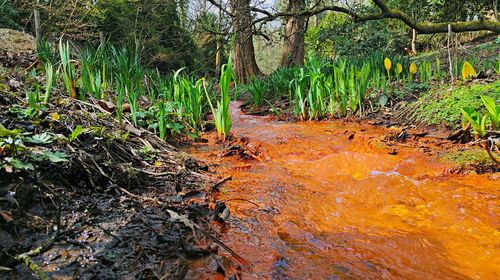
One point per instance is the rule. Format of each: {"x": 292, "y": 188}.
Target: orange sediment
{"x": 335, "y": 202}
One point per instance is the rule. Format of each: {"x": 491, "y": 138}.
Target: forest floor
{"x": 82, "y": 198}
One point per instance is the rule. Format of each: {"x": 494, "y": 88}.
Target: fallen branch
{"x": 26, "y": 258}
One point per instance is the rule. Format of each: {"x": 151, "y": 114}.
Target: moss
{"x": 442, "y": 105}
{"x": 467, "y": 161}
{"x": 476, "y": 156}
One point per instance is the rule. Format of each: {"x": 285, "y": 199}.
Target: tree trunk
{"x": 495, "y": 10}
{"x": 102, "y": 39}
{"x": 413, "y": 42}
{"x": 38, "y": 30}
{"x": 182, "y": 8}
{"x": 245, "y": 65}
{"x": 292, "y": 52}
{"x": 219, "y": 44}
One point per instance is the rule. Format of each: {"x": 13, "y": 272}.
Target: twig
{"x": 155, "y": 174}
{"x": 216, "y": 185}
{"x": 240, "y": 259}
{"x": 241, "y": 199}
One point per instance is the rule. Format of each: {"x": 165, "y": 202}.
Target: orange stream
{"x": 333, "y": 208}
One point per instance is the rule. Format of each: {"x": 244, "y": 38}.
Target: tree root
{"x": 26, "y": 258}
{"x": 490, "y": 154}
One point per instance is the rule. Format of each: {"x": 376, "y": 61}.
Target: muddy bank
{"x": 335, "y": 200}
{"x": 82, "y": 198}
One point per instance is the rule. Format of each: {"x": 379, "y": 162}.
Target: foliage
{"x": 257, "y": 88}
{"x": 297, "y": 87}
{"x": 49, "y": 79}
{"x": 480, "y": 122}
{"x": 77, "y": 131}
{"x": 9, "y": 15}
{"x": 222, "y": 116}
{"x": 67, "y": 68}
{"x": 442, "y": 105}
{"x": 337, "y": 35}
{"x": 44, "y": 52}
{"x": 468, "y": 71}
{"x": 493, "y": 111}
{"x": 18, "y": 151}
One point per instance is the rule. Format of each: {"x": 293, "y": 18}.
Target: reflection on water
{"x": 338, "y": 208}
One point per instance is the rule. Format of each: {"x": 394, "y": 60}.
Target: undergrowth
{"x": 442, "y": 104}
{"x": 474, "y": 159}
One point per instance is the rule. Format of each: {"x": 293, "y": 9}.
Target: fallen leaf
{"x": 181, "y": 218}
{"x": 6, "y": 216}
{"x": 106, "y": 105}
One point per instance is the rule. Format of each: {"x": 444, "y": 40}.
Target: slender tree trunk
{"x": 38, "y": 30}
{"x": 219, "y": 44}
{"x": 102, "y": 39}
{"x": 292, "y": 52}
{"x": 245, "y": 65}
{"x": 495, "y": 9}
{"x": 414, "y": 42}
{"x": 450, "y": 63}
{"x": 182, "y": 7}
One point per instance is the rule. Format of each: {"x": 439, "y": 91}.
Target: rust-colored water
{"x": 334, "y": 208}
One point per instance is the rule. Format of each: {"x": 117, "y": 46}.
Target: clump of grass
{"x": 257, "y": 88}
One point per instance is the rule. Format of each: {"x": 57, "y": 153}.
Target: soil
{"x": 125, "y": 204}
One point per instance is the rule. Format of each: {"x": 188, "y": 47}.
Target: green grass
{"x": 441, "y": 105}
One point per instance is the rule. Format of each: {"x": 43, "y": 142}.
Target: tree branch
{"x": 386, "y": 12}
{"x": 310, "y": 12}
{"x": 219, "y": 6}
{"x": 430, "y": 28}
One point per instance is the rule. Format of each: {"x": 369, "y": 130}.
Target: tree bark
{"x": 219, "y": 43}
{"x": 495, "y": 10}
{"x": 245, "y": 64}
{"x": 38, "y": 30}
{"x": 292, "y": 52}
{"x": 414, "y": 42}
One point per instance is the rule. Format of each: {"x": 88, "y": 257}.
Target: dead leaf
{"x": 6, "y": 216}
{"x": 106, "y": 105}
{"x": 126, "y": 107}
{"x": 181, "y": 218}
{"x": 133, "y": 130}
